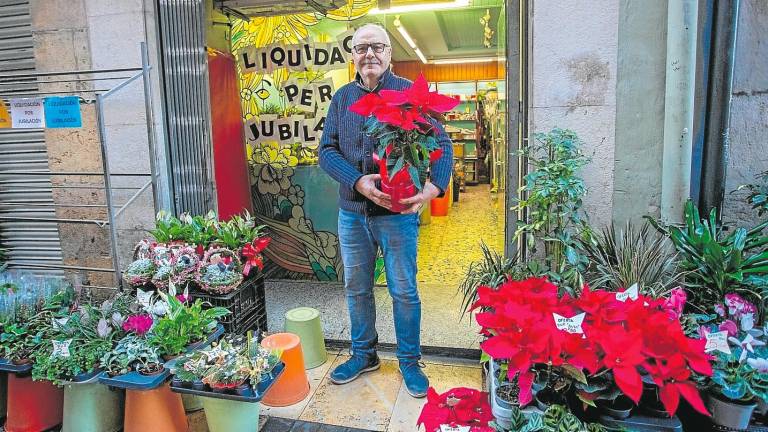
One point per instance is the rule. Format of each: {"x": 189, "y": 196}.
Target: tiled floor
{"x": 446, "y": 247}
{"x": 377, "y": 401}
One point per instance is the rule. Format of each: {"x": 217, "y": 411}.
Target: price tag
{"x": 717, "y": 341}
{"x": 144, "y": 297}
{"x": 570, "y": 325}
{"x": 629, "y": 293}
{"x": 61, "y": 348}
{"x": 449, "y": 428}
{"x": 59, "y": 323}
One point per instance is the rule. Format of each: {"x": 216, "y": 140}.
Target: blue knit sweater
{"x": 346, "y": 153}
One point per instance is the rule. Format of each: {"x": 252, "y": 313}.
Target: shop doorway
{"x": 460, "y": 47}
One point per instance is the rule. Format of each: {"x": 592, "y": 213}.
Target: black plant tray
{"x": 8, "y": 366}
{"x": 211, "y": 338}
{"x": 638, "y": 422}
{"x": 134, "y": 380}
{"x": 250, "y": 395}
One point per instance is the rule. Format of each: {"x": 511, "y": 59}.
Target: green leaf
{"x": 575, "y": 373}
{"x": 414, "y": 173}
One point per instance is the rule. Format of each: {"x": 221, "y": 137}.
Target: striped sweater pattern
{"x": 346, "y": 153}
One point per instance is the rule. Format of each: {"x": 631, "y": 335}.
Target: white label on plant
{"x": 717, "y": 341}
{"x": 144, "y": 297}
{"x": 59, "y": 323}
{"x": 61, "y": 348}
{"x": 572, "y": 324}
{"x": 630, "y": 293}
{"x": 449, "y": 428}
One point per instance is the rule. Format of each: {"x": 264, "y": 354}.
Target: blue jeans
{"x": 360, "y": 236}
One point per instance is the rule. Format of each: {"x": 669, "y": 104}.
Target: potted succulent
{"x": 402, "y": 123}
{"x": 220, "y": 271}
{"x": 234, "y": 366}
{"x": 740, "y": 369}
{"x": 139, "y": 272}
{"x": 132, "y": 352}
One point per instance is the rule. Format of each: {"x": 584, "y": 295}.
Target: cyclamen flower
{"x": 720, "y": 309}
{"x": 676, "y": 302}
{"x": 182, "y": 298}
{"x": 760, "y": 364}
{"x": 730, "y": 327}
{"x": 139, "y": 324}
{"x": 738, "y": 306}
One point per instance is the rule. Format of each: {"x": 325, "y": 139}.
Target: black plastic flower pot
{"x": 730, "y": 413}
{"x": 619, "y": 408}
{"x": 198, "y": 385}
{"x": 507, "y": 395}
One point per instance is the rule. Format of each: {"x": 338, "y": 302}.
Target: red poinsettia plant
{"x": 399, "y": 120}
{"x": 596, "y": 334}
{"x": 458, "y": 406}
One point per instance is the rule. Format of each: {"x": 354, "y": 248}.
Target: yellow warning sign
{"x": 5, "y": 118}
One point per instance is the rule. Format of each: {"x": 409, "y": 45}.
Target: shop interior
{"x": 459, "y": 46}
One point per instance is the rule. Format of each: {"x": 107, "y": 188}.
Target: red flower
{"x": 418, "y": 95}
{"x": 459, "y": 406}
{"x": 672, "y": 379}
{"x": 367, "y": 104}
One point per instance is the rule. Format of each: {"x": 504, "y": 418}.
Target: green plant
{"x": 493, "y": 270}
{"x": 139, "y": 271}
{"x": 238, "y": 231}
{"x": 132, "y": 352}
{"x": 552, "y": 198}
{"x": 716, "y": 262}
{"x": 202, "y": 229}
{"x": 183, "y": 324}
{"x": 758, "y": 194}
{"x": 169, "y": 228}
{"x": 556, "y": 418}
{"x": 633, "y": 256}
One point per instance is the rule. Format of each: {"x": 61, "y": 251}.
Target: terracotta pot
{"x": 158, "y": 410}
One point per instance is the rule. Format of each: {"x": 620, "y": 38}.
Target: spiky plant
{"x": 633, "y": 255}
{"x": 492, "y": 270}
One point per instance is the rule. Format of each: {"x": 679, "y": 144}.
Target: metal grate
{"x": 187, "y": 112}
{"x": 26, "y": 242}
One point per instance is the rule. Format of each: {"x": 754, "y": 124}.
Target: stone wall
{"x": 748, "y": 155}
{"x": 573, "y": 85}
{"x": 72, "y": 35}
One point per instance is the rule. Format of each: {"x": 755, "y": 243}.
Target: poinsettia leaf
{"x": 414, "y": 176}
{"x": 587, "y": 398}
{"x": 398, "y": 166}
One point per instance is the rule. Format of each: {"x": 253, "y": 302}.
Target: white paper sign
{"x": 59, "y": 323}
{"x": 629, "y": 293}
{"x": 144, "y": 297}
{"x": 570, "y": 325}
{"x": 717, "y": 341}
{"x": 27, "y": 113}
{"x": 448, "y": 428}
{"x": 61, "y": 348}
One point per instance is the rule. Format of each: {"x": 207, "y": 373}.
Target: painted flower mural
{"x": 298, "y": 250}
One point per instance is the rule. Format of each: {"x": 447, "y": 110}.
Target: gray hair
{"x": 375, "y": 26}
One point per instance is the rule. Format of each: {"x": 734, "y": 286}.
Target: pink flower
{"x": 737, "y": 305}
{"x": 676, "y": 302}
{"x": 703, "y": 332}
{"x": 730, "y": 327}
{"x": 720, "y": 309}
{"x": 182, "y": 298}
{"x": 139, "y": 324}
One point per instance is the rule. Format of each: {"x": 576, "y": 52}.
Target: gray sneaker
{"x": 353, "y": 368}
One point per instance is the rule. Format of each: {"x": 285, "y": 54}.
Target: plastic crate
{"x": 247, "y": 304}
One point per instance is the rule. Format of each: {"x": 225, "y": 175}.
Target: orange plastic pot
{"x": 292, "y": 386}
{"x": 33, "y": 406}
{"x": 158, "y": 410}
{"x": 439, "y": 206}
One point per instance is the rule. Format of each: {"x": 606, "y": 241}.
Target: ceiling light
{"x": 420, "y": 55}
{"x": 421, "y": 7}
{"x": 408, "y": 39}
{"x": 467, "y": 60}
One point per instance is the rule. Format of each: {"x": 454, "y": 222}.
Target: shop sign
{"x": 27, "y": 113}
{"x": 306, "y": 96}
{"x": 63, "y": 112}
{"x": 5, "y": 116}
{"x": 319, "y": 56}
{"x": 286, "y": 130}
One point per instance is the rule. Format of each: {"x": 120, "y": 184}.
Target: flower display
{"x": 459, "y": 406}
{"x": 400, "y": 121}
{"x": 528, "y": 324}
{"x": 138, "y": 324}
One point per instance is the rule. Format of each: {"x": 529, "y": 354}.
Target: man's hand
{"x": 366, "y": 185}
{"x": 427, "y": 194}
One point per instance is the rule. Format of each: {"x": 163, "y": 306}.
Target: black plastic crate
{"x": 247, "y": 304}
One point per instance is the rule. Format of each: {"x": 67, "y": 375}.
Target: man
{"x": 365, "y": 222}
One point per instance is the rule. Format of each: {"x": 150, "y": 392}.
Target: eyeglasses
{"x": 378, "y": 48}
